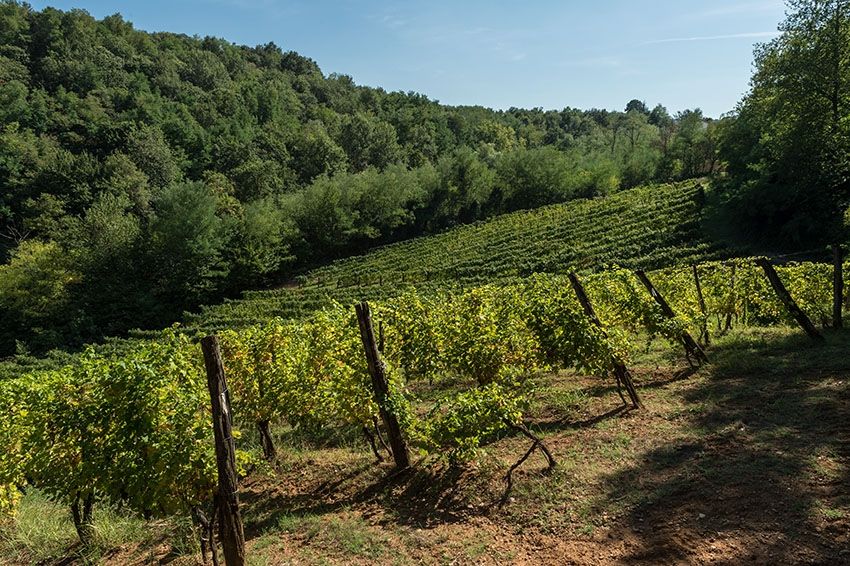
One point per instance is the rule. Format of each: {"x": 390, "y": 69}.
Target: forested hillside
{"x": 144, "y": 174}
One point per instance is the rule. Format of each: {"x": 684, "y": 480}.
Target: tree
{"x": 637, "y": 106}
{"x": 34, "y": 294}
{"x": 315, "y": 153}
{"x": 151, "y": 153}
{"x": 690, "y": 148}
{"x": 660, "y": 118}
{"x": 788, "y": 150}
{"x": 463, "y": 189}
{"x": 534, "y": 177}
{"x": 369, "y": 142}
{"x": 186, "y": 241}
{"x": 261, "y": 243}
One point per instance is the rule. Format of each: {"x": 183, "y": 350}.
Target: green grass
{"x": 42, "y": 530}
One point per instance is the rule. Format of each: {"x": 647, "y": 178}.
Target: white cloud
{"x": 747, "y": 35}
{"x": 601, "y": 61}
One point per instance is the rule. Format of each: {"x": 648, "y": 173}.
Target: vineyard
{"x": 643, "y": 228}
{"x": 254, "y": 312}
{"x": 132, "y": 428}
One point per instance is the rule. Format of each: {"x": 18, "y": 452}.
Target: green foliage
{"x": 565, "y": 334}
{"x": 533, "y": 178}
{"x": 788, "y": 148}
{"x": 624, "y": 302}
{"x": 34, "y": 292}
{"x": 262, "y": 243}
{"x": 186, "y": 243}
{"x": 457, "y": 426}
{"x": 112, "y": 125}
{"x": 131, "y": 428}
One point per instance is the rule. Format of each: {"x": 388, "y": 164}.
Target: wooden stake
{"x": 381, "y": 386}
{"x": 230, "y": 531}
{"x": 620, "y": 371}
{"x": 704, "y": 335}
{"x": 728, "y": 325}
{"x": 837, "y": 286}
{"x": 788, "y": 301}
{"x": 691, "y": 346}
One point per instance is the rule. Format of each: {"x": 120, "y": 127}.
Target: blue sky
{"x": 547, "y": 53}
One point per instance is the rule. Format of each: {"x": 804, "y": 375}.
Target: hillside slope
{"x": 647, "y": 227}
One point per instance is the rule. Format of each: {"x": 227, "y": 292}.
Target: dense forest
{"x": 143, "y": 174}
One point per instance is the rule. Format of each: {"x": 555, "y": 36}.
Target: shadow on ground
{"x": 767, "y": 479}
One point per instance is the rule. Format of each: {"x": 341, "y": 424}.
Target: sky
{"x": 497, "y": 53}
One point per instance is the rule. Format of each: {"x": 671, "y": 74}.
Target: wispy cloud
{"x": 268, "y": 8}
{"x": 747, "y": 35}
{"x": 392, "y": 21}
{"x": 509, "y": 46}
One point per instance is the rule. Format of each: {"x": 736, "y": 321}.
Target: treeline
{"x": 144, "y": 174}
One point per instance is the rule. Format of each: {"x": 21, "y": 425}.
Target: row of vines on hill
{"x": 656, "y": 226}
{"x": 134, "y": 427}
{"x": 653, "y": 223}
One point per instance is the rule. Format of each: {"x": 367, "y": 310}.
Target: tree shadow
{"x": 764, "y": 476}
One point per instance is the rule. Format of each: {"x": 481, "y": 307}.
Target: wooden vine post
{"x": 230, "y": 529}
{"x": 728, "y": 325}
{"x": 691, "y": 346}
{"x": 837, "y": 286}
{"x": 380, "y": 385}
{"x": 624, "y": 378}
{"x": 704, "y": 330}
{"x": 788, "y": 301}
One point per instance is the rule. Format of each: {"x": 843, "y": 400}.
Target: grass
{"x": 746, "y": 459}
{"x": 42, "y": 530}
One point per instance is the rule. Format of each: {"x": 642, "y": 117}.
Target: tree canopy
{"x": 787, "y": 148}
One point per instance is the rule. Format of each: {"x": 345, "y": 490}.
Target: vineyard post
{"x": 701, "y": 299}
{"x": 728, "y": 325}
{"x": 230, "y": 528}
{"x": 837, "y": 285}
{"x": 381, "y": 386}
{"x": 691, "y": 347}
{"x": 788, "y": 301}
{"x": 620, "y": 369}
